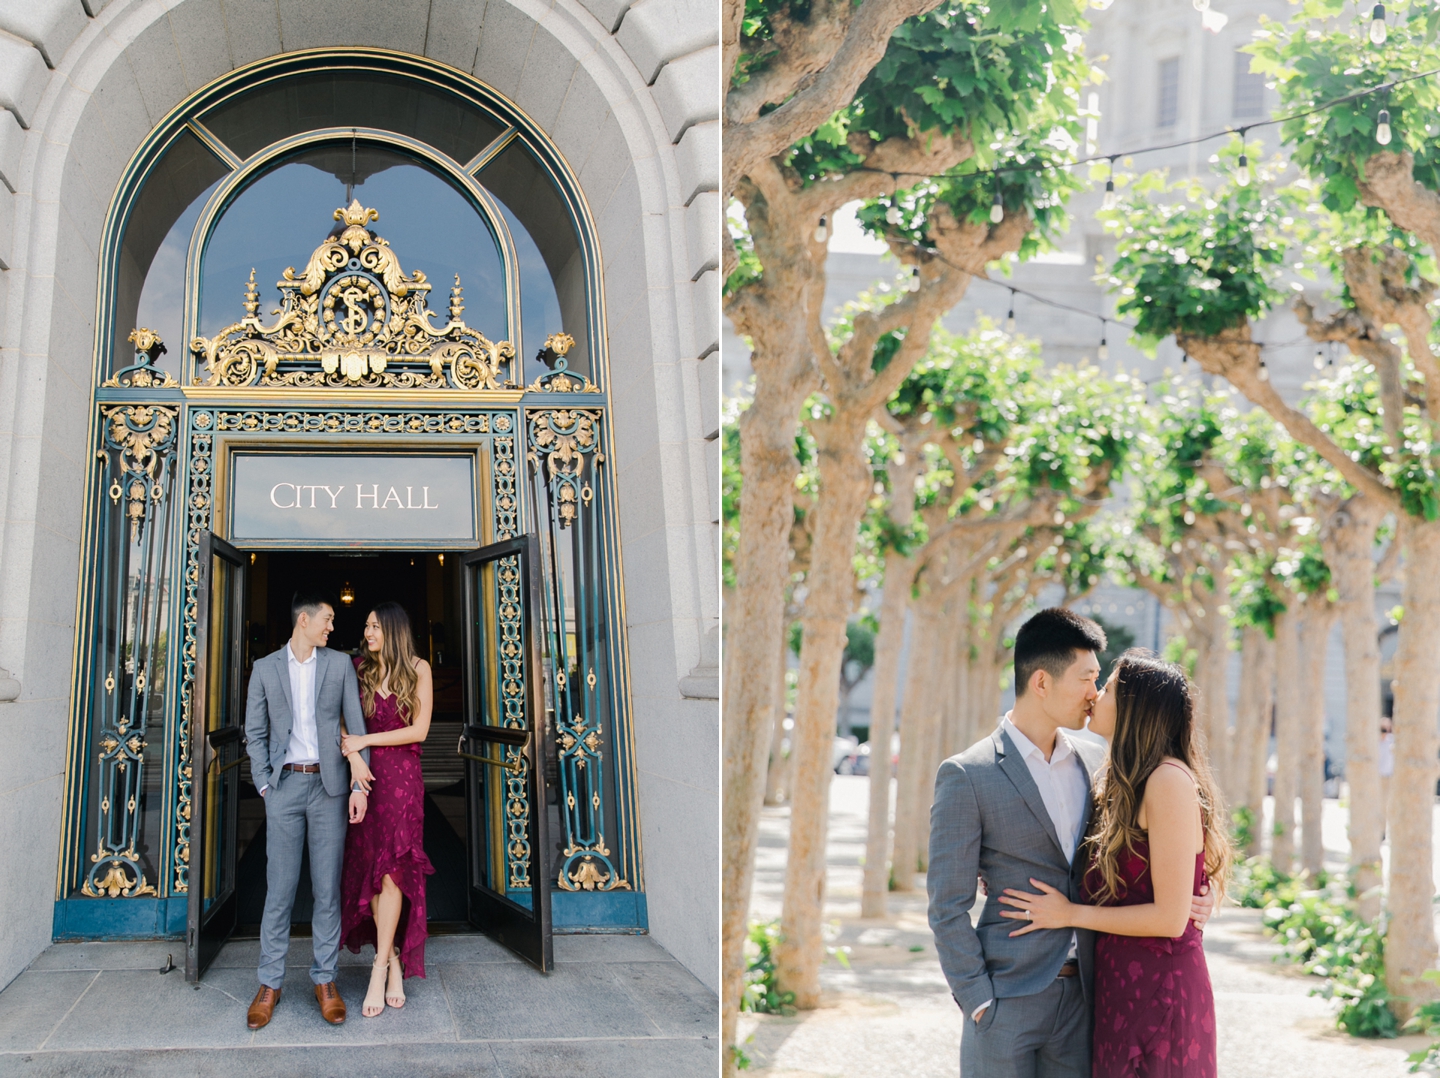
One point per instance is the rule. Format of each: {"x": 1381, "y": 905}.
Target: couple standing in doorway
{"x": 334, "y": 748}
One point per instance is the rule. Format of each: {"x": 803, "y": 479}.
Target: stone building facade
{"x": 618, "y": 102}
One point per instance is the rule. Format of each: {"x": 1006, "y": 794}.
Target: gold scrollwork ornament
{"x": 353, "y": 318}
{"x": 143, "y": 374}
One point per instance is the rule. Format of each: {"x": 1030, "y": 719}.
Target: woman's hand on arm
{"x": 359, "y": 770}
{"x": 1172, "y": 810}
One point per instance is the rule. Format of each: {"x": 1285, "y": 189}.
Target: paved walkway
{"x": 891, "y": 1012}
{"x": 615, "y": 1005}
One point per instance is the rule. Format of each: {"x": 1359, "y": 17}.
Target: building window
{"x": 1249, "y": 88}
{"x": 1169, "y": 97}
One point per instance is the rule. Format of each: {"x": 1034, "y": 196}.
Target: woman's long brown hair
{"x": 397, "y": 660}
{"x": 1154, "y": 718}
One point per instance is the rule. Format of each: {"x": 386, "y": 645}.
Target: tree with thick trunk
{"x": 1384, "y": 288}
{"x": 1349, "y": 543}
{"x": 1316, "y": 620}
{"x": 811, "y": 123}
{"x": 894, "y": 606}
{"x": 1252, "y": 726}
{"x": 1320, "y": 60}
{"x": 780, "y": 312}
{"x": 854, "y": 390}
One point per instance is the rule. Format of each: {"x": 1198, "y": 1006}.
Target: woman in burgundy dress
{"x": 1156, "y": 834}
{"x": 383, "y": 884}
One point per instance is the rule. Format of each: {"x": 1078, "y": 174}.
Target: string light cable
{"x": 1103, "y": 351}
{"x": 1383, "y": 88}
{"x": 1383, "y": 136}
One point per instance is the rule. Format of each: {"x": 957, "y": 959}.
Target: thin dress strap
{"x": 1172, "y": 763}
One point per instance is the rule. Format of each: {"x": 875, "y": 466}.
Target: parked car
{"x": 844, "y": 747}
{"x": 858, "y": 761}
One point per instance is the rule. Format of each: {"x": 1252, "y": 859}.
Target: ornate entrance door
{"x": 217, "y": 749}
{"x": 502, "y": 744}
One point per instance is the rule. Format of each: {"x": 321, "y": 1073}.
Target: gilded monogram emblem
{"x": 353, "y": 317}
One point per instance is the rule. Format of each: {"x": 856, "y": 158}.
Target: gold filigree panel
{"x": 354, "y": 318}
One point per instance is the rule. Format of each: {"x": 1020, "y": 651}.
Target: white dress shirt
{"x": 1063, "y": 788}
{"x": 304, "y": 739}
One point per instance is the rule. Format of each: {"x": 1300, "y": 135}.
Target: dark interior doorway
{"x": 426, "y": 583}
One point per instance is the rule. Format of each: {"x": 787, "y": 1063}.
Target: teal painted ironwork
{"x": 562, "y": 447}
{"x": 129, "y": 662}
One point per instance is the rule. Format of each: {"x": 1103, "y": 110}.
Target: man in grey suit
{"x": 1008, "y": 811}
{"x": 293, "y": 722}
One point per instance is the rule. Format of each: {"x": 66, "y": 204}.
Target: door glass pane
{"x": 222, "y": 775}
{"x": 502, "y": 794}
{"x": 322, "y": 99}
{"x": 280, "y": 218}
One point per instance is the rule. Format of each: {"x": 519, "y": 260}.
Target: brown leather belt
{"x": 304, "y": 769}
{"x": 1069, "y": 969}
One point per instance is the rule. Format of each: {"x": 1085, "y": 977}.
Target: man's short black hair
{"x": 1049, "y": 641}
{"x": 308, "y": 601}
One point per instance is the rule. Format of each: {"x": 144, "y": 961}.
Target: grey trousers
{"x": 297, "y": 807}
{"x": 1046, "y": 1035}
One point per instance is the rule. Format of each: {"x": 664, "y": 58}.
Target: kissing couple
{"x": 1087, "y": 958}
{"x": 309, "y": 710}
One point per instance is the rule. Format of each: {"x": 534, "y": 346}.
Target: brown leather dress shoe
{"x": 262, "y": 1007}
{"x": 332, "y": 1007}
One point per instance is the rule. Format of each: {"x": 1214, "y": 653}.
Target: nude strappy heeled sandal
{"x": 394, "y": 964}
{"x": 376, "y": 992}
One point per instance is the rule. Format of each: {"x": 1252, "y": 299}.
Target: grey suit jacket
{"x": 988, "y": 821}
{"x": 269, "y": 716}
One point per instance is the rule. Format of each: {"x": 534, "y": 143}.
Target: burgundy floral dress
{"x": 388, "y": 841}
{"x": 1154, "y": 1010}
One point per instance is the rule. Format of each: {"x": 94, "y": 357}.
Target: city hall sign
{"x": 352, "y": 497}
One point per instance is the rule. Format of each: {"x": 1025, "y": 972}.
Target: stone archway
{"x": 641, "y": 156}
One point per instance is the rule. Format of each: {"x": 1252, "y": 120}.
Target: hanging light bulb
{"x": 997, "y": 210}
{"x": 1010, "y": 314}
{"x": 1108, "y": 202}
{"x": 1319, "y": 359}
{"x": 1103, "y": 352}
{"x": 1202, "y": 5}
{"x": 1377, "y": 25}
{"x": 821, "y": 232}
{"x": 1382, "y": 129}
{"x": 892, "y": 215}
{"x": 1242, "y": 171}
{"x": 1184, "y": 357}
{"x": 912, "y": 284}
{"x": 1264, "y": 372}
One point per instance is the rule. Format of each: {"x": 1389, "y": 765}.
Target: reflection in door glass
{"x": 222, "y": 776}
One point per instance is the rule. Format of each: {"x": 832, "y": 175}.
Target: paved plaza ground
{"x": 891, "y": 1013}
{"x": 614, "y": 1005}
